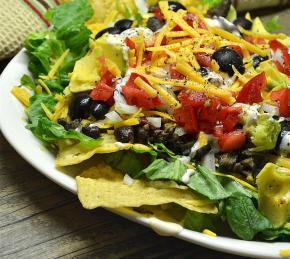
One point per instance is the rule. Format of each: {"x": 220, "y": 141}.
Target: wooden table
{"x": 38, "y": 219}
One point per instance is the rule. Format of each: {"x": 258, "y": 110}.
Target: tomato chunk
{"x": 102, "y": 92}
{"x": 251, "y": 91}
{"x": 203, "y": 59}
{"x": 283, "y": 98}
{"x": 232, "y": 141}
{"x": 174, "y": 74}
{"x": 281, "y": 56}
{"x": 185, "y": 117}
{"x": 138, "y": 97}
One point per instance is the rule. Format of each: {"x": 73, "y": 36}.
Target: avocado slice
{"x": 274, "y": 193}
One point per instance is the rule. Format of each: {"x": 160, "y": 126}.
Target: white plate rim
{"x": 13, "y": 129}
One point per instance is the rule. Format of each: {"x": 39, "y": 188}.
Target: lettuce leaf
{"x": 68, "y": 32}
{"x": 243, "y": 217}
{"x": 47, "y": 130}
{"x": 273, "y": 24}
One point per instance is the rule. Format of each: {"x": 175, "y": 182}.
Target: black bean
{"x": 175, "y": 6}
{"x": 141, "y": 134}
{"x": 226, "y": 58}
{"x": 91, "y": 131}
{"x": 99, "y": 109}
{"x": 243, "y": 22}
{"x": 123, "y": 24}
{"x": 124, "y": 134}
{"x": 203, "y": 71}
{"x": 154, "y": 24}
{"x": 79, "y": 107}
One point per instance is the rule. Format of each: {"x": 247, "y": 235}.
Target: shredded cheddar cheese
{"x": 146, "y": 87}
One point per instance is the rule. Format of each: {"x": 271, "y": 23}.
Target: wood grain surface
{"x": 38, "y": 219}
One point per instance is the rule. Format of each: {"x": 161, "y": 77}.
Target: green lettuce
{"x": 273, "y": 24}
{"x": 49, "y": 131}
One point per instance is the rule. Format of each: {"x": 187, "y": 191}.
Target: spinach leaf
{"x": 49, "y": 131}
{"x": 234, "y": 188}
{"x": 161, "y": 148}
{"x": 274, "y": 233}
{"x": 243, "y": 217}
{"x": 163, "y": 170}
{"x": 211, "y": 3}
{"x": 128, "y": 162}
{"x": 205, "y": 182}
{"x": 199, "y": 221}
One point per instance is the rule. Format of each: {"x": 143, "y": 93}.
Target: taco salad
{"x": 182, "y": 109}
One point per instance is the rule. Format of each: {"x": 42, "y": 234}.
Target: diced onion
{"x": 154, "y": 121}
{"x": 208, "y": 161}
{"x": 113, "y": 116}
{"x": 124, "y": 108}
{"x": 179, "y": 131}
{"x": 273, "y": 110}
{"x": 128, "y": 180}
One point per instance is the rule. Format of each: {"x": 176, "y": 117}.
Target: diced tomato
{"x": 248, "y": 39}
{"x": 147, "y": 56}
{"x": 190, "y": 18}
{"x": 232, "y": 141}
{"x": 130, "y": 44}
{"x": 260, "y": 41}
{"x": 158, "y": 14}
{"x": 203, "y": 59}
{"x": 281, "y": 51}
{"x": 107, "y": 78}
{"x": 192, "y": 98}
{"x": 230, "y": 117}
{"x": 185, "y": 117}
{"x": 283, "y": 98}
{"x": 237, "y": 49}
{"x": 174, "y": 74}
{"x": 251, "y": 91}
{"x": 210, "y": 111}
{"x": 102, "y": 92}
{"x": 138, "y": 97}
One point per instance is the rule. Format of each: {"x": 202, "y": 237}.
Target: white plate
{"x": 12, "y": 122}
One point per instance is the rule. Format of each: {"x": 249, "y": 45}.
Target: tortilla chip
{"x": 77, "y": 153}
{"x": 85, "y": 73}
{"x": 103, "y": 186}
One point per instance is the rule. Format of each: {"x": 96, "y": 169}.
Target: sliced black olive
{"x": 154, "y": 24}
{"x": 114, "y": 30}
{"x": 221, "y": 10}
{"x": 257, "y": 60}
{"x": 91, "y": 131}
{"x": 175, "y": 6}
{"x": 101, "y": 33}
{"x": 243, "y": 22}
{"x": 79, "y": 107}
{"x": 226, "y": 58}
{"x": 203, "y": 71}
{"x": 123, "y": 24}
{"x": 99, "y": 109}
{"x": 141, "y": 134}
{"x": 124, "y": 134}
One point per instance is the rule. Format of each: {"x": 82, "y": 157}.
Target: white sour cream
{"x": 285, "y": 144}
{"x": 186, "y": 177}
{"x": 120, "y": 145}
{"x": 128, "y": 180}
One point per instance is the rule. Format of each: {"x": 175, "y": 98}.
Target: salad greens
{"x": 168, "y": 124}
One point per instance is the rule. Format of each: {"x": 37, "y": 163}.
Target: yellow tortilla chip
{"x": 75, "y": 154}
{"x": 85, "y": 73}
{"x": 103, "y": 186}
